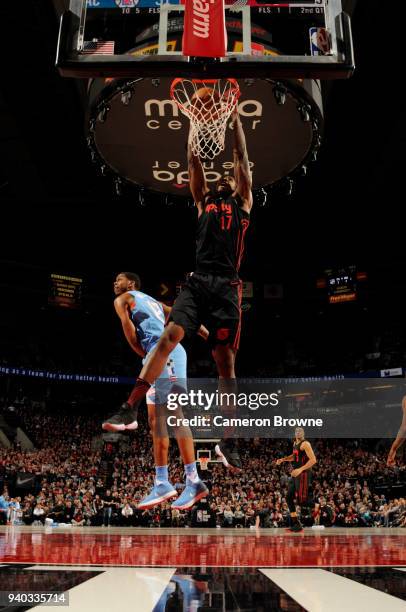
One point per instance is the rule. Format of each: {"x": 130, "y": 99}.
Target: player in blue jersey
{"x": 143, "y": 320}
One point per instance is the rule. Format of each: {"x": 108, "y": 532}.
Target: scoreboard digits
{"x": 65, "y": 291}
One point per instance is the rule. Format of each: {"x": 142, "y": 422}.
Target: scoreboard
{"x": 341, "y": 283}
{"x": 65, "y": 291}
{"x": 124, "y": 5}
{"x": 282, "y": 28}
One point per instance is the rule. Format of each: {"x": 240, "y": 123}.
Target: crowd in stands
{"x": 352, "y": 487}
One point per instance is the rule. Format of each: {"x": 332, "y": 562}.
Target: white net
{"x": 208, "y": 104}
{"x": 237, "y": 5}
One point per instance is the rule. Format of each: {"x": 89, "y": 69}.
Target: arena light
{"x": 141, "y": 197}
{"x": 126, "y": 97}
{"x": 290, "y": 183}
{"x": 118, "y": 186}
{"x": 102, "y": 116}
{"x": 280, "y": 92}
{"x": 263, "y": 197}
{"x": 304, "y": 111}
{"x": 169, "y": 200}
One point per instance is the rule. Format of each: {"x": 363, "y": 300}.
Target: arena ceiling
{"x": 44, "y": 159}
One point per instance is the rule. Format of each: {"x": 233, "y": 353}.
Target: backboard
{"x": 143, "y": 38}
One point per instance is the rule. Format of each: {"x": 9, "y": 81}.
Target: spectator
{"x": 108, "y": 504}
{"x": 39, "y": 515}
{"x": 228, "y": 517}
{"x": 4, "y": 504}
{"x": 127, "y": 514}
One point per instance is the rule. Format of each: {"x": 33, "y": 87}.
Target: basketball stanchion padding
{"x": 204, "y": 463}
{"x": 204, "y": 33}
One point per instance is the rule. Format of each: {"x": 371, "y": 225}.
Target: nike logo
{"x": 22, "y": 481}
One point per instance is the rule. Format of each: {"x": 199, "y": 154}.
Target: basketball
{"x": 203, "y": 101}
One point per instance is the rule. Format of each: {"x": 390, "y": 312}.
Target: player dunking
{"x": 303, "y": 459}
{"x": 212, "y": 294}
{"x": 143, "y": 319}
{"x": 400, "y": 438}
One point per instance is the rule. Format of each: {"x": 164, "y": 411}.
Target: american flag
{"x": 99, "y": 47}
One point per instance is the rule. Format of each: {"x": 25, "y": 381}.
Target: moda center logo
{"x": 164, "y": 113}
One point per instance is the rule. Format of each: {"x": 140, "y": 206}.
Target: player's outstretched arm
{"x": 400, "y": 438}
{"x": 283, "y": 459}
{"x": 197, "y": 179}
{"x": 122, "y": 304}
{"x": 242, "y": 172}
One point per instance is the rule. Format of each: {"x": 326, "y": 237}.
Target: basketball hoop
{"x": 208, "y": 104}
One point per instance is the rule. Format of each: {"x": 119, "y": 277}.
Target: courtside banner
{"x": 11, "y": 370}
{"x": 205, "y": 31}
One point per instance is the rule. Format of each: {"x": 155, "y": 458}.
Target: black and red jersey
{"x": 220, "y": 236}
{"x": 299, "y": 456}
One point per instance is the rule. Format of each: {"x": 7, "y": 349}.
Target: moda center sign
{"x": 142, "y": 136}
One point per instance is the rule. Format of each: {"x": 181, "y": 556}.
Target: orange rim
{"x": 175, "y": 82}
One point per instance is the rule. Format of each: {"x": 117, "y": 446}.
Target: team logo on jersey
{"x": 223, "y": 333}
{"x": 126, "y": 3}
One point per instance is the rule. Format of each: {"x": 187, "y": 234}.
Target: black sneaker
{"x": 125, "y": 418}
{"x": 228, "y": 452}
{"x": 296, "y": 526}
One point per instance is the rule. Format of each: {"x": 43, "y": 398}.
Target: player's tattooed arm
{"x": 400, "y": 438}
{"x": 197, "y": 179}
{"x": 122, "y": 306}
{"x": 242, "y": 172}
